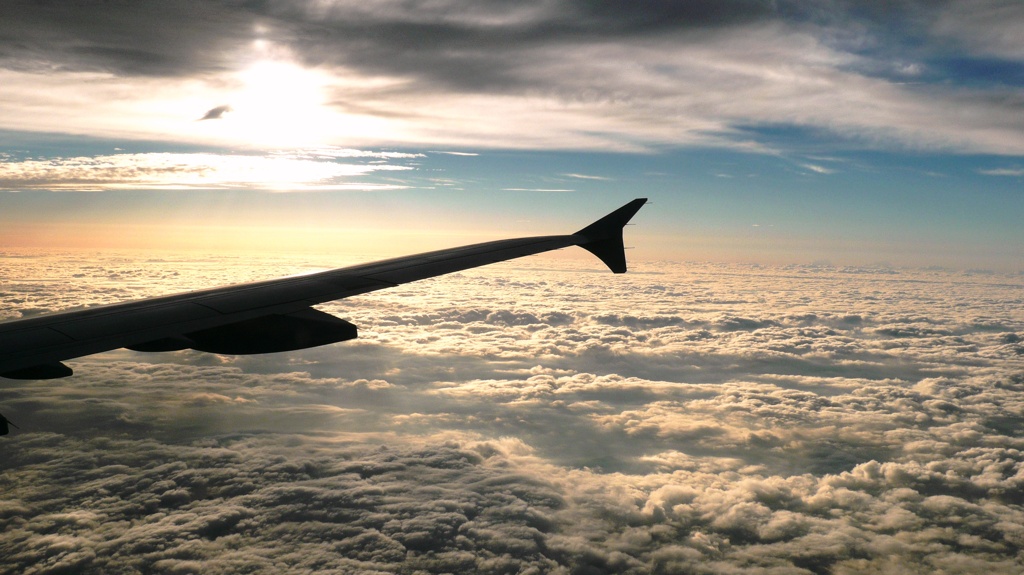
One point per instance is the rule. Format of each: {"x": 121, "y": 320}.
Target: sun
{"x": 280, "y": 103}
{"x": 275, "y": 101}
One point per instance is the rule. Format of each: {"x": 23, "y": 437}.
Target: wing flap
{"x": 269, "y": 333}
{"x": 51, "y": 370}
{"x": 274, "y": 333}
{"x": 169, "y": 343}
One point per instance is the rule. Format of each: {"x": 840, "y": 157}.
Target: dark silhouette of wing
{"x": 4, "y": 430}
{"x": 267, "y": 316}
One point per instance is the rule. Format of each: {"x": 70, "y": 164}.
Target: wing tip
{"x": 612, "y": 223}
{"x": 603, "y": 238}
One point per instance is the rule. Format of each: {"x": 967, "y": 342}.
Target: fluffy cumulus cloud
{"x": 535, "y": 417}
{"x": 610, "y": 75}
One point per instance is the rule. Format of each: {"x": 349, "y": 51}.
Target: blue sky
{"x": 789, "y": 132}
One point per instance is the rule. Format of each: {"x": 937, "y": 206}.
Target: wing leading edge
{"x": 267, "y": 316}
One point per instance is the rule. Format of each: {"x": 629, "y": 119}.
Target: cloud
{"x": 586, "y": 177}
{"x": 149, "y": 41}
{"x": 216, "y": 113}
{"x": 1008, "y": 172}
{"x": 707, "y": 417}
{"x": 295, "y": 172}
{"x": 537, "y": 190}
{"x": 983, "y": 26}
{"x": 817, "y": 169}
{"x": 602, "y": 76}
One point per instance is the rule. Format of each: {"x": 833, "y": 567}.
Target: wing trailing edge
{"x": 264, "y": 334}
{"x": 51, "y": 370}
{"x": 266, "y": 316}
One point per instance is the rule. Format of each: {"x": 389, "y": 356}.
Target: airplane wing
{"x": 266, "y": 316}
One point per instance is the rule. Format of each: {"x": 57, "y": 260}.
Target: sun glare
{"x": 281, "y": 104}
{"x": 275, "y": 102}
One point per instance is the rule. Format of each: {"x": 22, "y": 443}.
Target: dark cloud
{"x": 146, "y": 38}
{"x": 490, "y": 46}
{"x": 478, "y": 46}
{"x": 216, "y": 113}
{"x": 485, "y": 46}
{"x": 605, "y": 75}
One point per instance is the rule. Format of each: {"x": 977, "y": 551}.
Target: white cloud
{"x": 587, "y": 177}
{"x": 1009, "y": 172}
{"x": 711, "y": 417}
{"x": 537, "y": 190}
{"x": 307, "y": 171}
{"x": 818, "y": 169}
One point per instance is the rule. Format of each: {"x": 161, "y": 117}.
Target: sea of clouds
{"x": 537, "y": 416}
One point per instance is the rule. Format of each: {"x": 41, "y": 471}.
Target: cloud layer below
{"x": 536, "y": 417}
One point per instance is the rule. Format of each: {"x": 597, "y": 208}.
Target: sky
{"x": 814, "y": 366}
{"x": 764, "y": 132}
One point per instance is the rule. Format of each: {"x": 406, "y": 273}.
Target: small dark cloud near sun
{"x": 216, "y": 113}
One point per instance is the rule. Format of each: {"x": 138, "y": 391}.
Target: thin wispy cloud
{"x": 537, "y": 190}
{"x": 336, "y": 152}
{"x": 817, "y": 168}
{"x": 190, "y": 171}
{"x": 1007, "y": 172}
{"x": 588, "y": 177}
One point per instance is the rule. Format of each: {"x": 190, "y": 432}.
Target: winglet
{"x": 603, "y": 238}
{"x": 4, "y": 430}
